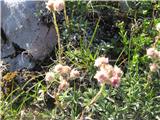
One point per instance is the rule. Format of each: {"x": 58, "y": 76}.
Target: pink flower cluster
{"x": 153, "y": 53}
{"x": 153, "y": 67}
{"x": 155, "y": 56}
{"x": 107, "y": 74}
{"x": 55, "y": 5}
{"x": 65, "y": 73}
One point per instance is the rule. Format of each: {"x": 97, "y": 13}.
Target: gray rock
{"x": 7, "y": 50}
{"x": 19, "y": 62}
{"x": 22, "y": 27}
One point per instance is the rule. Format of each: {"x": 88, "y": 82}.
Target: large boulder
{"x": 21, "y": 25}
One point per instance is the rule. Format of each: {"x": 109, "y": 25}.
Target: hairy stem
{"x": 97, "y": 96}
{"x": 94, "y": 99}
{"x": 58, "y": 37}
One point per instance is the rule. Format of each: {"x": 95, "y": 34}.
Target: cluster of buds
{"x": 64, "y": 73}
{"x": 107, "y": 74}
{"x": 155, "y": 56}
{"x": 153, "y": 53}
{"x": 153, "y": 67}
{"x": 55, "y": 5}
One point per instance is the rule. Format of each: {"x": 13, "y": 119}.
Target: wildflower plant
{"x": 154, "y": 55}
{"x": 57, "y": 6}
{"x": 62, "y": 74}
{"x": 106, "y": 75}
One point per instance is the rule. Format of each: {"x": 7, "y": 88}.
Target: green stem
{"x": 58, "y": 36}
{"x": 97, "y": 96}
{"x": 65, "y": 16}
{"x": 94, "y": 33}
{"x": 94, "y": 99}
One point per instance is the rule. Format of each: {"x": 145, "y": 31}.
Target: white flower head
{"x": 49, "y": 76}
{"x": 101, "y": 76}
{"x": 58, "y": 68}
{"x": 117, "y": 71}
{"x": 74, "y": 74}
{"x": 100, "y": 61}
{"x": 115, "y": 81}
{"x": 55, "y": 5}
{"x": 153, "y": 53}
{"x": 153, "y": 67}
{"x": 63, "y": 85}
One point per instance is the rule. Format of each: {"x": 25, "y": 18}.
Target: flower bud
{"x": 101, "y": 76}
{"x": 153, "y": 53}
{"x": 74, "y": 74}
{"x": 55, "y": 5}
{"x": 58, "y": 68}
{"x": 63, "y": 85}
{"x": 153, "y": 67}
{"x": 115, "y": 81}
{"x": 100, "y": 61}
{"x": 117, "y": 71}
{"x": 49, "y": 76}
{"x": 59, "y": 5}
